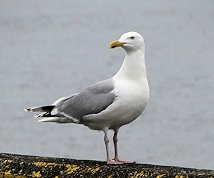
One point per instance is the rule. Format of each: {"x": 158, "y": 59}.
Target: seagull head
{"x": 130, "y": 41}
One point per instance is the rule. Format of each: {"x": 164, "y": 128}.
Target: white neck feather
{"x": 133, "y": 66}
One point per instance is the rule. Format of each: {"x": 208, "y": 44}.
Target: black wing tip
{"x": 27, "y": 109}
{"x": 47, "y": 108}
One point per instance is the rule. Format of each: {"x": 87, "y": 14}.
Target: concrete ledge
{"x": 20, "y": 166}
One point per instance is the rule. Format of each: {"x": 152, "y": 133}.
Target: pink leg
{"x": 116, "y": 158}
{"x": 115, "y": 140}
{"x": 106, "y": 140}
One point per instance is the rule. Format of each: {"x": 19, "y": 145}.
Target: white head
{"x": 130, "y": 41}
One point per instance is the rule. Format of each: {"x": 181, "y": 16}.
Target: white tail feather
{"x": 34, "y": 109}
{"x": 56, "y": 119}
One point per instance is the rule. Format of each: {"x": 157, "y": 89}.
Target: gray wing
{"x": 62, "y": 100}
{"x": 90, "y": 101}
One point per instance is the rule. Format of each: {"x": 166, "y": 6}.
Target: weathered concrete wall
{"x": 20, "y": 166}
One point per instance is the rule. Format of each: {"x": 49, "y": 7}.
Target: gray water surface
{"x": 51, "y": 48}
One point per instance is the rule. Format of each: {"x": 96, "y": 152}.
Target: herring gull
{"x": 108, "y": 104}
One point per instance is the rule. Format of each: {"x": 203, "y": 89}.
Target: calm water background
{"x": 49, "y": 49}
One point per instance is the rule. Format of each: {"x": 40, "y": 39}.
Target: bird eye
{"x": 132, "y": 37}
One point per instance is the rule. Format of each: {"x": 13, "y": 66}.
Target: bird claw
{"x": 117, "y": 161}
{"x": 113, "y": 162}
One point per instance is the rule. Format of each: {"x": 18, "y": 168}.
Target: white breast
{"x": 132, "y": 99}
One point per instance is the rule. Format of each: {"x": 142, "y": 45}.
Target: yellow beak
{"x": 115, "y": 44}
